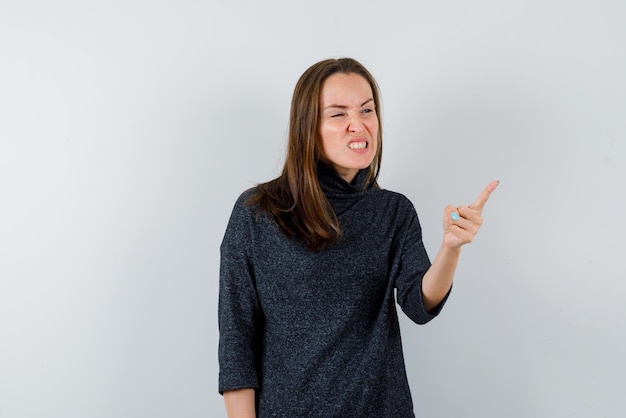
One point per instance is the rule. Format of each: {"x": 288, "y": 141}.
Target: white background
{"x": 128, "y": 129}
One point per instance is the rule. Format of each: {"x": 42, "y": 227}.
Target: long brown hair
{"x": 295, "y": 200}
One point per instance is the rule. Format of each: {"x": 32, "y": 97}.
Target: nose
{"x": 354, "y": 123}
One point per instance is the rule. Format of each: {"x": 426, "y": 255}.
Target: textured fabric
{"x": 317, "y": 333}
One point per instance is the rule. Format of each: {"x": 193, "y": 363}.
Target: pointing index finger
{"x": 484, "y": 195}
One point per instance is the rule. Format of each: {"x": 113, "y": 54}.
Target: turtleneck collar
{"x": 334, "y": 185}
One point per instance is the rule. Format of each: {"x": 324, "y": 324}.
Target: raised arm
{"x": 460, "y": 225}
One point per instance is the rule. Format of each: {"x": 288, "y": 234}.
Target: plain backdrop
{"x": 129, "y": 128}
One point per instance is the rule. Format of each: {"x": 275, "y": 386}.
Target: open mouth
{"x": 357, "y": 145}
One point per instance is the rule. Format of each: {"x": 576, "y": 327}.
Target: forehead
{"x": 345, "y": 88}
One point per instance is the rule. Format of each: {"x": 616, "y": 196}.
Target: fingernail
{"x": 454, "y": 216}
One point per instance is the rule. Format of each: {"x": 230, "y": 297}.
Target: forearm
{"x": 240, "y": 403}
{"x": 438, "y": 279}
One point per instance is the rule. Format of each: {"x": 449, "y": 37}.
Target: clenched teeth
{"x": 357, "y": 145}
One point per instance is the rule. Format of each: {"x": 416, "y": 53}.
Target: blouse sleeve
{"x": 411, "y": 264}
{"x": 239, "y": 310}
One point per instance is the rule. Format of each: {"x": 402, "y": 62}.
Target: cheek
{"x": 373, "y": 127}
{"x": 328, "y": 135}
{"x": 373, "y": 130}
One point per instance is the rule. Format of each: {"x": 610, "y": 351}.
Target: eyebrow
{"x": 345, "y": 107}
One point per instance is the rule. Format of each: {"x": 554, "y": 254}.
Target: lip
{"x": 358, "y": 140}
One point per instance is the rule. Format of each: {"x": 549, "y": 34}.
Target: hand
{"x": 461, "y": 224}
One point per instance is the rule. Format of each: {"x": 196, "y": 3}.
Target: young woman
{"x": 312, "y": 264}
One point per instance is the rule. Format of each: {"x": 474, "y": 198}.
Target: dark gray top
{"x": 317, "y": 333}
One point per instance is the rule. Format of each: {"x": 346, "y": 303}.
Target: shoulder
{"x": 243, "y": 213}
{"x": 246, "y": 195}
{"x": 391, "y": 198}
{"x": 397, "y": 208}
{"x": 247, "y": 201}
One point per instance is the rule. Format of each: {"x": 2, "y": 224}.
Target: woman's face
{"x": 348, "y": 129}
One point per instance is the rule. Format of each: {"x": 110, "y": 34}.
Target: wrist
{"x": 448, "y": 251}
